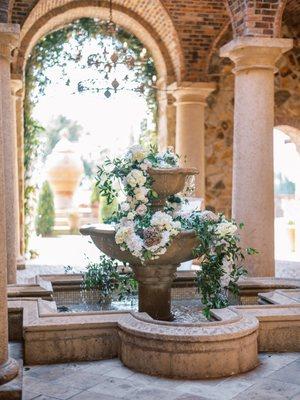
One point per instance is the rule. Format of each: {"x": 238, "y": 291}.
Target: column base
{"x": 8, "y": 371}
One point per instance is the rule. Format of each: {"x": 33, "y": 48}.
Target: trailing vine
{"x": 53, "y": 51}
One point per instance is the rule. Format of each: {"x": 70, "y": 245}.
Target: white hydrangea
{"x": 226, "y": 228}
{"x": 136, "y": 178}
{"x": 162, "y": 220}
{"x": 135, "y": 244}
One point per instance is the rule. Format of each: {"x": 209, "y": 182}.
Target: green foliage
{"x": 105, "y": 277}
{"x": 45, "y": 212}
{"x": 106, "y": 210}
{"x": 217, "y": 252}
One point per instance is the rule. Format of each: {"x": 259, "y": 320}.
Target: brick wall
{"x": 256, "y": 17}
{"x": 197, "y": 23}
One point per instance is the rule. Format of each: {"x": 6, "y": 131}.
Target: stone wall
{"x": 287, "y": 80}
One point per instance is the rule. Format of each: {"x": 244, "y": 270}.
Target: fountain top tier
{"x": 168, "y": 181}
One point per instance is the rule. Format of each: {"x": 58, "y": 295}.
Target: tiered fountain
{"x": 155, "y": 277}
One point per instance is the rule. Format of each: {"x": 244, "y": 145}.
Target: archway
{"x": 287, "y": 200}
{"x": 164, "y": 45}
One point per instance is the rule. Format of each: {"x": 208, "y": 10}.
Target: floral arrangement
{"x": 147, "y": 233}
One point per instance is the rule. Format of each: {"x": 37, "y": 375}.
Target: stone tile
{"x": 115, "y": 387}
{"x": 212, "y": 391}
{"x": 52, "y": 372}
{"x": 158, "y": 382}
{"x": 151, "y": 393}
{"x": 119, "y": 372}
{"x": 290, "y": 373}
{"x": 191, "y": 397}
{"x": 102, "y": 367}
{"x": 278, "y": 360}
{"x": 80, "y": 380}
{"x": 29, "y": 395}
{"x": 49, "y": 388}
{"x": 269, "y": 389}
{"x": 42, "y": 397}
{"x": 93, "y": 396}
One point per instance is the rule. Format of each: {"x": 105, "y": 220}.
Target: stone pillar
{"x": 17, "y": 107}
{"x": 190, "y": 104}
{"x": 253, "y": 180}
{"x": 8, "y": 40}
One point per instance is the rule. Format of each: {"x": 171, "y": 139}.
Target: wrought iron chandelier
{"x": 117, "y": 64}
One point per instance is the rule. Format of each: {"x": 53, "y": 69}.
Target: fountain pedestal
{"x": 155, "y": 283}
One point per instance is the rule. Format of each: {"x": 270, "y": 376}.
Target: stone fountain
{"x": 155, "y": 277}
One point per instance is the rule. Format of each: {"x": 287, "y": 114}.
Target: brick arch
{"x": 154, "y": 28}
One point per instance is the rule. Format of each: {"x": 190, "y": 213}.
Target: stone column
{"x": 8, "y": 40}
{"x": 17, "y": 107}
{"x": 190, "y": 104}
{"x": 253, "y": 180}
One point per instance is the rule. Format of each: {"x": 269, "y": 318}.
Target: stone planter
{"x": 155, "y": 276}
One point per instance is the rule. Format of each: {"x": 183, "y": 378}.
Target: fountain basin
{"x": 180, "y": 249}
{"x": 155, "y": 277}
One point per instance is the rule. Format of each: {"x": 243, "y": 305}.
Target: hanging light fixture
{"x": 117, "y": 65}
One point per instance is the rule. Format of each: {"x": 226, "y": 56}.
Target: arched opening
{"x": 138, "y": 109}
{"x": 287, "y": 200}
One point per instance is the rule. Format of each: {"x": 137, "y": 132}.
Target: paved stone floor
{"x": 276, "y": 378}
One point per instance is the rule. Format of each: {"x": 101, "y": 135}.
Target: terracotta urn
{"x": 64, "y": 170}
{"x": 155, "y": 277}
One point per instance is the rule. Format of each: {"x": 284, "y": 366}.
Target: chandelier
{"x": 117, "y": 64}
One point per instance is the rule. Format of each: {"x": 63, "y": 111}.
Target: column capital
{"x": 191, "y": 92}
{"x": 255, "y": 52}
{"x": 9, "y": 39}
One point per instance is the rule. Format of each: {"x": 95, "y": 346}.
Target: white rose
{"x": 122, "y": 233}
{"x": 141, "y": 209}
{"x": 135, "y": 178}
{"x": 145, "y": 165}
{"x": 162, "y": 220}
{"x": 138, "y": 153}
{"x": 125, "y": 206}
{"x": 226, "y": 228}
{"x": 130, "y": 215}
{"x": 140, "y": 194}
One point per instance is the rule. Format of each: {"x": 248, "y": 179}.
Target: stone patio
{"x": 277, "y": 378}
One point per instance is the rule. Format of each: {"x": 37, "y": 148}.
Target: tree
{"x": 45, "y": 218}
